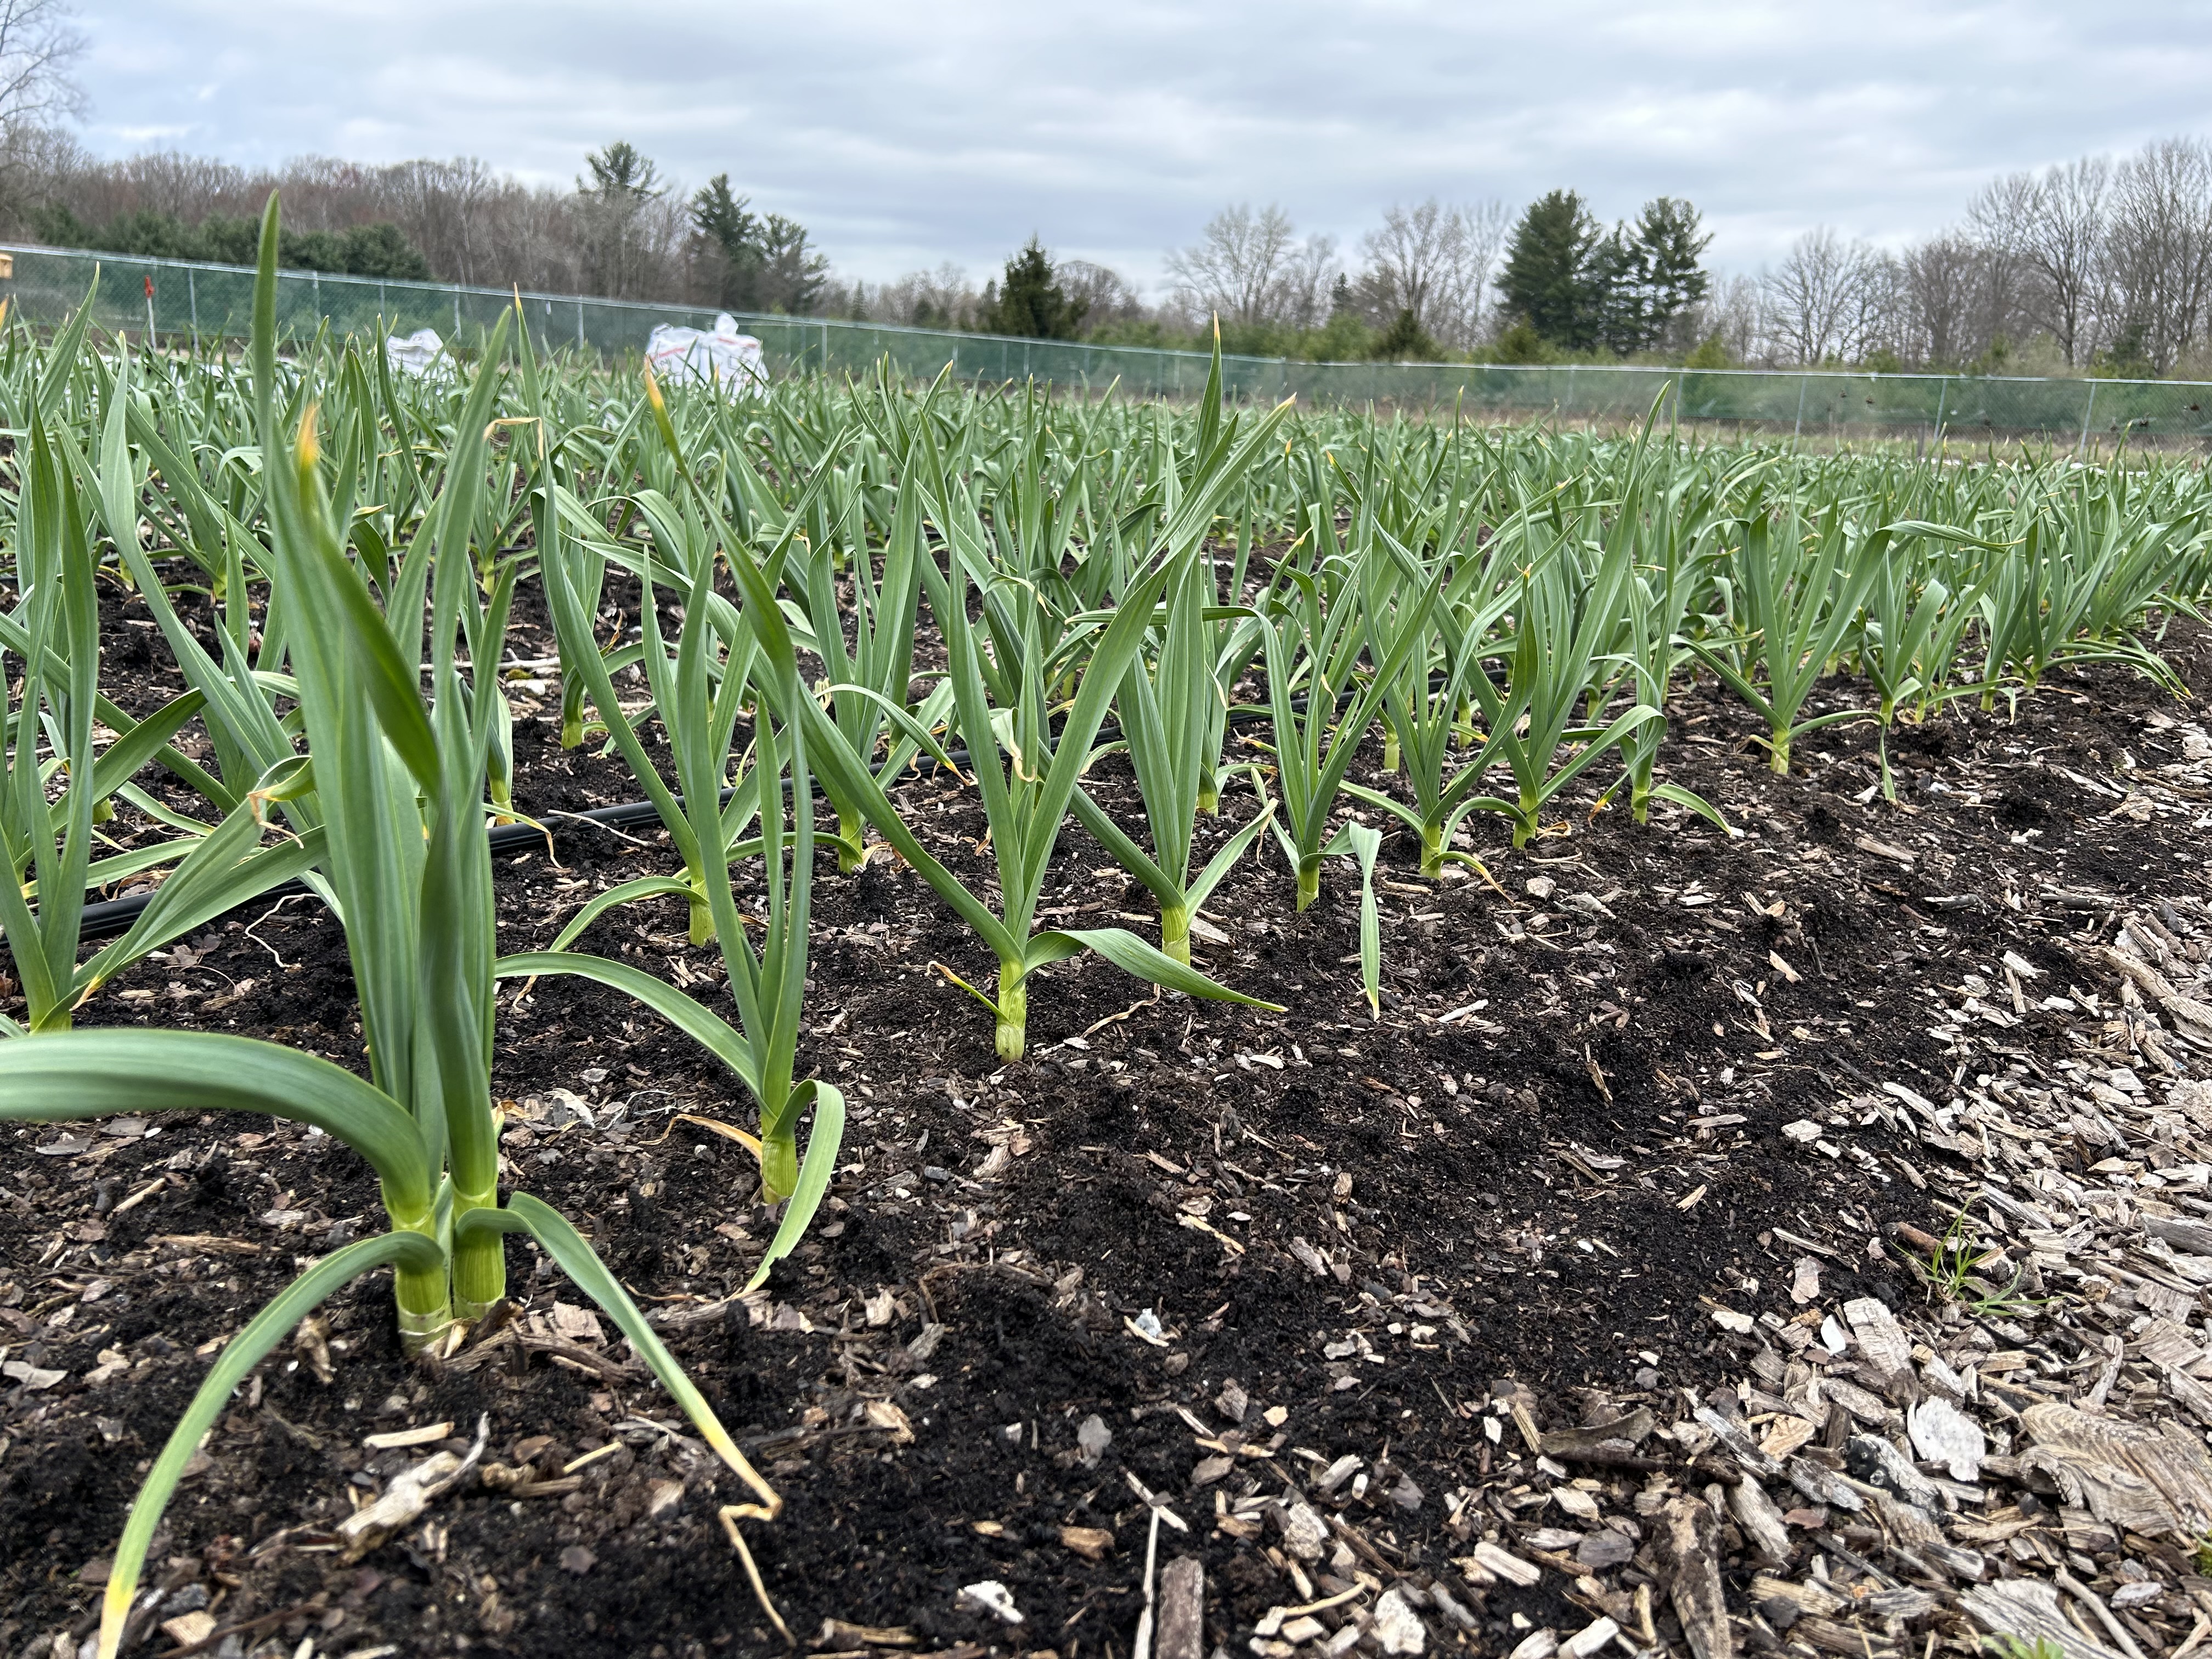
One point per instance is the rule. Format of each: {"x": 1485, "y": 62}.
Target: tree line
{"x": 622, "y": 231}
{"x": 2099, "y": 266}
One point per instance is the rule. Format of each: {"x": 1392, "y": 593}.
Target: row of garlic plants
{"x": 1238, "y": 602}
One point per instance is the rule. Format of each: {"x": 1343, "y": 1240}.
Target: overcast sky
{"x": 904, "y": 135}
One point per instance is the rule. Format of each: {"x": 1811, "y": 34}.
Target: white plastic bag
{"x": 420, "y": 354}
{"x": 723, "y": 358}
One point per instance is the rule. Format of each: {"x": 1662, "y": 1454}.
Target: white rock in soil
{"x": 1304, "y": 1532}
{"x": 1941, "y": 1433}
{"x": 1395, "y": 1626}
{"x": 989, "y": 1595}
{"x": 1092, "y": 1439}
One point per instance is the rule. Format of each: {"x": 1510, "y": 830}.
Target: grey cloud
{"x": 904, "y": 136}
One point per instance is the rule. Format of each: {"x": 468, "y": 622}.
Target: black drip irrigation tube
{"x": 113, "y": 916}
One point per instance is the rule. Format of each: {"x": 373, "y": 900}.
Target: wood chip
{"x": 1761, "y": 1521}
{"x": 405, "y": 1496}
{"x": 2152, "y": 1481}
{"x": 1686, "y": 1546}
{"x": 2028, "y": 1610}
{"x": 1882, "y": 849}
{"x": 398, "y": 1437}
{"x": 189, "y": 1630}
{"x": 1091, "y": 1543}
{"x": 1588, "y": 1642}
{"x": 1882, "y": 1343}
{"x": 207, "y": 1244}
{"x": 838, "y": 1635}
{"x": 1181, "y": 1630}
{"x": 1497, "y": 1562}
{"x": 1574, "y": 1444}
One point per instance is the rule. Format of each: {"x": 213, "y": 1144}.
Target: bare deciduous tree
{"x": 1735, "y": 314}
{"x": 943, "y": 298}
{"x": 1435, "y": 262}
{"x": 1235, "y": 271}
{"x": 1488, "y": 224}
{"x": 1814, "y": 295}
{"x": 2158, "y": 253}
{"x": 1942, "y": 280}
{"x": 1309, "y": 274}
{"x": 1101, "y": 293}
{"x": 2042, "y": 238}
{"x": 1877, "y": 322}
{"x": 2065, "y": 239}
{"x": 39, "y": 45}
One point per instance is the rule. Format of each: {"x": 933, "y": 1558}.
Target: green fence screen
{"x": 180, "y": 298}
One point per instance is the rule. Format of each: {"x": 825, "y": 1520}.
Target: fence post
{"x": 192, "y": 290}
{"x": 580, "y": 324}
{"x": 1942, "y": 392}
{"x": 2083, "y": 443}
{"x": 1803, "y": 380}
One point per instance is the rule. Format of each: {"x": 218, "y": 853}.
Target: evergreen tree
{"x": 380, "y": 250}
{"x": 621, "y": 172}
{"x": 1520, "y": 344}
{"x": 1030, "y": 302}
{"x": 1547, "y": 275}
{"x": 374, "y": 250}
{"x": 1406, "y": 341}
{"x": 1671, "y": 244}
{"x": 1711, "y": 354}
{"x": 623, "y": 183}
{"x": 1622, "y": 291}
{"x": 730, "y": 236}
{"x": 792, "y": 275}
{"x": 1616, "y": 278}
{"x": 763, "y": 261}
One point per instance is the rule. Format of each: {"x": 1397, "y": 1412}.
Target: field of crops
{"x": 633, "y": 1021}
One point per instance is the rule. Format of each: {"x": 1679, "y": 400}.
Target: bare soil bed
{"x": 1634, "y": 1125}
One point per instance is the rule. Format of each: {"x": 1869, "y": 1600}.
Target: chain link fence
{"x": 177, "y": 298}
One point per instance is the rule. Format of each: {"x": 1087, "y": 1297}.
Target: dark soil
{"x": 1534, "y": 1180}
